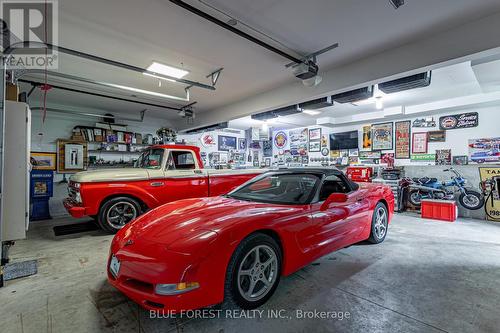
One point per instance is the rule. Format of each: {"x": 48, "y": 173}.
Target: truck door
{"x": 183, "y": 177}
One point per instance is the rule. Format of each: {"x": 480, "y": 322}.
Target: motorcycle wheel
{"x": 415, "y": 198}
{"x": 471, "y": 200}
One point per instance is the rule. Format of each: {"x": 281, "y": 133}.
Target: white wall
{"x": 456, "y": 140}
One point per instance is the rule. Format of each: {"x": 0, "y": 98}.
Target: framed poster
{"x": 242, "y": 144}
{"x": 492, "y": 206}
{"x": 314, "y": 134}
{"x": 227, "y": 143}
{"x": 267, "y": 148}
{"x": 71, "y": 156}
{"x": 314, "y": 146}
{"x": 382, "y": 136}
{"x": 324, "y": 141}
{"x": 268, "y": 162}
{"x": 443, "y": 157}
{"x": 419, "y": 143}
{"x": 43, "y": 161}
{"x": 299, "y": 141}
{"x": 460, "y": 160}
{"x": 456, "y": 121}
{"x": 370, "y": 155}
{"x": 403, "y": 130}
{"x": 437, "y": 136}
{"x": 367, "y": 137}
{"x": 484, "y": 150}
{"x": 424, "y": 122}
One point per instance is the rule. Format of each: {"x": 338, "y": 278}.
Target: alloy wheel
{"x": 380, "y": 222}
{"x": 257, "y": 273}
{"x": 120, "y": 214}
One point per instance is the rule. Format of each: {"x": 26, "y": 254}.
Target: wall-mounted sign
{"x": 419, "y": 145}
{"x": 267, "y": 148}
{"x": 280, "y": 139}
{"x": 227, "y": 143}
{"x": 460, "y": 160}
{"x": 207, "y": 140}
{"x": 298, "y": 141}
{"x": 382, "y": 136}
{"x": 325, "y": 151}
{"x": 367, "y": 137}
{"x": 443, "y": 157}
{"x": 456, "y": 121}
{"x": 423, "y": 157}
{"x": 437, "y": 136}
{"x": 424, "y": 122}
{"x": 403, "y": 129}
{"x": 370, "y": 155}
{"x": 242, "y": 143}
{"x": 314, "y": 146}
{"x": 492, "y": 202}
{"x": 314, "y": 134}
{"x": 484, "y": 150}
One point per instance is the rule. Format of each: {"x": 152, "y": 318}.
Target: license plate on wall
{"x": 114, "y": 266}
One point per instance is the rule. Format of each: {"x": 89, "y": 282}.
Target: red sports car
{"x": 234, "y": 248}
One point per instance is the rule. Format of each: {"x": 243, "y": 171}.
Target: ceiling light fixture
{"x": 311, "y": 112}
{"x": 156, "y": 67}
{"x": 379, "y": 103}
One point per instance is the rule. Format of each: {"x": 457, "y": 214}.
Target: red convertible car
{"x": 234, "y": 248}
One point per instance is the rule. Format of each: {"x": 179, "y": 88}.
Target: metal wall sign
{"x": 456, "y": 121}
{"x": 403, "y": 129}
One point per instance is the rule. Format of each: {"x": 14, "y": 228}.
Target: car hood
{"x": 186, "y": 218}
{"x": 118, "y": 174}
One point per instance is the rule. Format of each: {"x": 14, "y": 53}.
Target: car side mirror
{"x": 333, "y": 198}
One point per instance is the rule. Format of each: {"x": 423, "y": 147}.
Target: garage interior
{"x": 388, "y": 92}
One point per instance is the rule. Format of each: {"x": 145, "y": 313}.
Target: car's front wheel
{"x": 380, "y": 222}
{"x": 117, "y": 212}
{"x": 253, "y": 273}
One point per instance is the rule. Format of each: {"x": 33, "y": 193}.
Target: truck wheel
{"x": 117, "y": 212}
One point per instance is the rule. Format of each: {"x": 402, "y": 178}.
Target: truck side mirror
{"x": 333, "y": 198}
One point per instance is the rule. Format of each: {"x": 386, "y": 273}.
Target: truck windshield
{"x": 150, "y": 159}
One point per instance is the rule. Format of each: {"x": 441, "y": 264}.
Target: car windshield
{"x": 290, "y": 189}
{"x": 150, "y": 159}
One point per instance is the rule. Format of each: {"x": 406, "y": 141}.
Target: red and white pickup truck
{"x": 162, "y": 174}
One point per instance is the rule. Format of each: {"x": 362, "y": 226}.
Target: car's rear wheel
{"x": 380, "y": 222}
{"x": 117, "y": 212}
{"x": 253, "y": 273}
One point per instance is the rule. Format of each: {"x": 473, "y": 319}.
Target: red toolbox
{"x": 444, "y": 210}
{"x": 359, "y": 174}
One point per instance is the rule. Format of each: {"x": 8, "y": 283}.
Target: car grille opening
{"x": 140, "y": 285}
{"x": 154, "y": 304}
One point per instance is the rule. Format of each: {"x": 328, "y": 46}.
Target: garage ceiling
{"x": 138, "y": 32}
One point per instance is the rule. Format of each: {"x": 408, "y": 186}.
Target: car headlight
{"x": 175, "y": 288}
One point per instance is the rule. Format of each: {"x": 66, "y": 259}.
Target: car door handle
{"x": 156, "y": 184}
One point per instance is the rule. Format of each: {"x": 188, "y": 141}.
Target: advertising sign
{"x": 403, "y": 129}
{"x": 456, "y": 121}
{"x": 492, "y": 200}
{"x": 382, "y": 136}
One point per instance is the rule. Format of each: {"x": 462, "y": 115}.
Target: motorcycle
{"x": 431, "y": 188}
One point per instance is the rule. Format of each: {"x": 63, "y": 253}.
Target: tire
{"x": 415, "y": 198}
{"x": 471, "y": 200}
{"x": 243, "y": 268}
{"x": 380, "y": 223}
{"x": 117, "y": 212}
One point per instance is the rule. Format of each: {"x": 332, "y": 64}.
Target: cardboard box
{"x": 11, "y": 92}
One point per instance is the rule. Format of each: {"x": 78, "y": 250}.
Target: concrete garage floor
{"x": 427, "y": 276}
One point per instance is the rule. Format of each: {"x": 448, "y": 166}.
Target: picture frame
{"x": 419, "y": 143}
{"x": 77, "y": 156}
{"x": 268, "y": 162}
{"x": 367, "y": 137}
{"x": 242, "y": 143}
{"x": 437, "y": 136}
{"x": 402, "y": 137}
{"x": 315, "y": 134}
{"x": 383, "y": 136}
{"x": 314, "y": 146}
{"x": 226, "y": 143}
{"x": 43, "y": 160}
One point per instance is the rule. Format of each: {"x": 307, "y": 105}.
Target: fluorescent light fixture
{"x": 379, "y": 103}
{"x": 158, "y": 68}
{"x": 148, "y": 92}
{"x": 311, "y": 112}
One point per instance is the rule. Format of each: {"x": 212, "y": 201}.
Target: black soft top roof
{"x": 313, "y": 170}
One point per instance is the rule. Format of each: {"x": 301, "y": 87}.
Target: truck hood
{"x": 182, "y": 219}
{"x": 111, "y": 175}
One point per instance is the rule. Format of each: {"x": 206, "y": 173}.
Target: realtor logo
{"x": 29, "y": 21}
